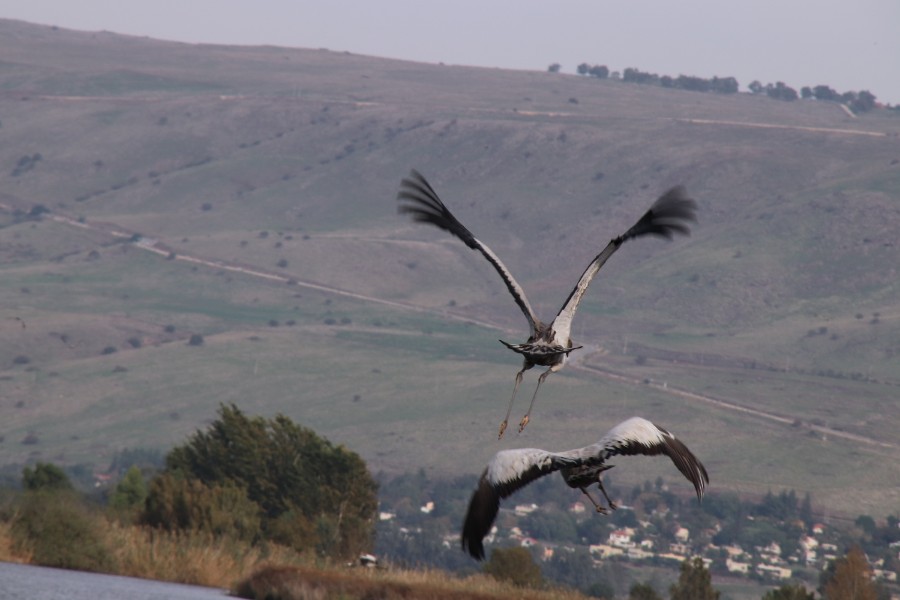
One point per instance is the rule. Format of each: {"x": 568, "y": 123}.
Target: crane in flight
{"x": 549, "y": 344}
{"x": 511, "y": 470}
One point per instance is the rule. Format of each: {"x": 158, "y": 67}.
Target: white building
{"x": 524, "y": 509}
{"x": 773, "y": 571}
{"x": 621, "y": 537}
{"x": 734, "y": 566}
{"x": 605, "y": 551}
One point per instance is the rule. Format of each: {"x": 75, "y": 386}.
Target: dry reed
{"x": 188, "y": 557}
{"x": 308, "y": 583}
{"x": 8, "y": 550}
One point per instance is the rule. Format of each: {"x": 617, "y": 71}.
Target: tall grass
{"x": 189, "y": 557}
{"x": 273, "y": 572}
{"x": 9, "y": 552}
{"x": 306, "y": 583}
{"x": 180, "y": 557}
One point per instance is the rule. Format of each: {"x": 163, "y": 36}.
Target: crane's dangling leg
{"x": 612, "y": 505}
{"x": 525, "y": 367}
{"x": 541, "y": 379}
{"x": 599, "y": 508}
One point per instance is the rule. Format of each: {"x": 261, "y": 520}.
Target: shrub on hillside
{"x": 130, "y": 493}
{"x": 57, "y": 530}
{"x": 175, "y": 502}
{"x": 514, "y": 565}
{"x": 45, "y": 477}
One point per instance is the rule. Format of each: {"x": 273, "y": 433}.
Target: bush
{"x": 177, "y": 503}
{"x": 45, "y": 477}
{"x": 514, "y": 565}
{"x": 58, "y": 531}
{"x": 196, "y": 340}
{"x": 131, "y": 492}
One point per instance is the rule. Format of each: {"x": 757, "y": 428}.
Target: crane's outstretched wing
{"x": 508, "y": 471}
{"x": 669, "y": 215}
{"x": 424, "y": 206}
{"x": 640, "y": 436}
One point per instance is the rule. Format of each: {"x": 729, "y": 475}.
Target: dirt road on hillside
{"x": 154, "y": 246}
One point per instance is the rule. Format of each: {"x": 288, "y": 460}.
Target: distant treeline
{"x": 858, "y": 102}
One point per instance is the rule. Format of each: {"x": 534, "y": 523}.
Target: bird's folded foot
{"x": 523, "y": 423}
{"x": 601, "y": 510}
{"x": 502, "y": 429}
{"x": 613, "y": 505}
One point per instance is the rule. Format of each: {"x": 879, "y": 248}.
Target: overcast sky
{"x": 847, "y": 44}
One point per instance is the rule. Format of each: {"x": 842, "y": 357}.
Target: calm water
{"x": 25, "y": 582}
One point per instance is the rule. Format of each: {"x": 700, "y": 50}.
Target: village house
{"x": 734, "y": 566}
{"x": 679, "y": 549}
{"x": 622, "y": 537}
{"x": 604, "y": 551}
{"x": 635, "y": 553}
{"x": 577, "y": 508}
{"x": 773, "y": 571}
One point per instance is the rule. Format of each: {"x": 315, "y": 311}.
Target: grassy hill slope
{"x": 247, "y": 194}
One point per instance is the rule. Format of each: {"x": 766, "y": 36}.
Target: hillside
{"x": 150, "y": 191}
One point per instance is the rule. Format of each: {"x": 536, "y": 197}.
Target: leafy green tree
{"x": 221, "y": 509}
{"x": 575, "y": 569}
{"x": 852, "y": 578}
{"x": 781, "y": 91}
{"x": 864, "y": 102}
{"x": 643, "y": 591}
{"x": 695, "y": 84}
{"x": 724, "y": 85}
{"x": 805, "y": 511}
{"x": 557, "y": 526}
{"x": 45, "y": 476}
{"x": 823, "y": 92}
{"x": 130, "y": 492}
{"x": 311, "y": 494}
{"x": 866, "y": 523}
{"x": 789, "y": 592}
{"x": 54, "y": 526}
{"x": 554, "y": 68}
{"x": 599, "y": 71}
{"x": 601, "y": 589}
{"x": 514, "y": 565}
{"x": 694, "y": 582}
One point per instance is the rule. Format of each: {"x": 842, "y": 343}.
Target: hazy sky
{"x": 847, "y": 44}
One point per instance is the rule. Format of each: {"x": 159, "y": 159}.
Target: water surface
{"x": 27, "y": 582}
